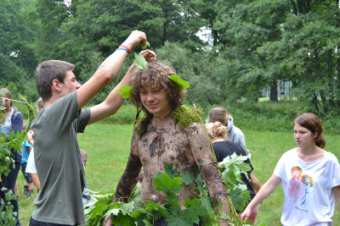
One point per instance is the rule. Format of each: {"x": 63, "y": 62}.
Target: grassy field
{"x": 107, "y": 146}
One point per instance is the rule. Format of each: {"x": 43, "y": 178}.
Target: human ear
{"x": 56, "y": 85}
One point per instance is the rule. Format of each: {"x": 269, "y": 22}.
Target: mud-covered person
{"x": 158, "y": 141}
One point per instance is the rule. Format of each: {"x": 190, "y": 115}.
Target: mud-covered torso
{"x": 161, "y": 145}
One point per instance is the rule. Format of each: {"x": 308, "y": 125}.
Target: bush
{"x": 126, "y": 114}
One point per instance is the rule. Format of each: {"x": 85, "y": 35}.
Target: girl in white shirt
{"x": 310, "y": 177}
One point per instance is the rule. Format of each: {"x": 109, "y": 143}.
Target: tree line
{"x": 253, "y": 44}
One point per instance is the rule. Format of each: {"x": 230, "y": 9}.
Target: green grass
{"x": 107, "y": 146}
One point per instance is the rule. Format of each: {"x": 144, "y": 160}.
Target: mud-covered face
{"x": 155, "y": 100}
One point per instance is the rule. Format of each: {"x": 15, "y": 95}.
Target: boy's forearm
{"x": 109, "y": 68}
{"x": 113, "y": 101}
{"x": 112, "y": 64}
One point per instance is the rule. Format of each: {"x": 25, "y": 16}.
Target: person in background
{"x": 222, "y": 115}
{"x": 309, "y": 175}
{"x": 25, "y": 152}
{"x": 30, "y": 167}
{"x": 13, "y": 122}
{"x": 224, "y": 148}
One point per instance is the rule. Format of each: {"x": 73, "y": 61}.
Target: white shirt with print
{"x": 307, "y": 187}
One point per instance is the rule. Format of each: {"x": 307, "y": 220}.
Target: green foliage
{"x": 145, "y": 213}
{"x": 125, "y": 115}
{"x": 253, "y": 44}
{"x": 140, "y": 62}
{"x": 126, "y": 91}
{"x": 186, "y": 115}
{"x": 179, "y": 81}
{"x": 8, "y": 145}
{"x": 170, "y": 183}
{"x": 232, "y": 168}
{"x": 6, "y": 209}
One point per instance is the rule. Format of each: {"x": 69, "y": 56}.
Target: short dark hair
{"x": 49, "y": 70}
{"x": 312, "y": 122}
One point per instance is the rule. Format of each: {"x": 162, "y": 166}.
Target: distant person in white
{"x": 31, "y": 168}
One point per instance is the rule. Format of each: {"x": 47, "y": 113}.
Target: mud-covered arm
{"x": 130, "y": 175}
{"x": 202, "y": 152}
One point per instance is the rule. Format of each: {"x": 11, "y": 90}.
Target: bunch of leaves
{"x": 134, "y": 212}
{"x": 7, "y": 146}
{"x": 233, "y": 167}
{"x": 7, "y": 215}
{"x": 137, "y": 212}
{"x": 185, "y": 115}
{"x": 14, "y": 140}
{"x": 194, "y": 209}
{"x": 170, "y": 183}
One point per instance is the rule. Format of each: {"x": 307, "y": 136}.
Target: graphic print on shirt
{"x": 300, "y": 187}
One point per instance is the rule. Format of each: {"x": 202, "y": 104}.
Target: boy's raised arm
{"x": 109, "y": 68}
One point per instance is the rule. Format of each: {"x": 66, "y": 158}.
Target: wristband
{"x": 125, "y": 47}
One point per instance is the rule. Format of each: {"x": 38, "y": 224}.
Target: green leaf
{"x": 176, "y": 221}
{"x": 126, "y": 91}
{"x": 163, "y": 182}
{"x": 169, "y": 169}
{"x": 127, "y": 208}
{"x": 140, "y": 62}
{"x": 187, "y": 178}
{"x": 183, "y": 84}
{"x": 146, "y": 45}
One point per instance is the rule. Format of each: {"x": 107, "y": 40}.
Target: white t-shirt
{"x": 30, "y": 167}
{"x": 307, "y": 187}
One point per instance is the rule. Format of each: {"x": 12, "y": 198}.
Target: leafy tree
{"x": 17, "y": 58}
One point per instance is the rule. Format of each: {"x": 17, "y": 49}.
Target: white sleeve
{"x": 30, "y": 167}
{"x": 335, "y": 173}
{"x": 279, "y": 170}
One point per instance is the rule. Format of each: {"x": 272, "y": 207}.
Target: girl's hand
{"x": 249, "y": 214}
